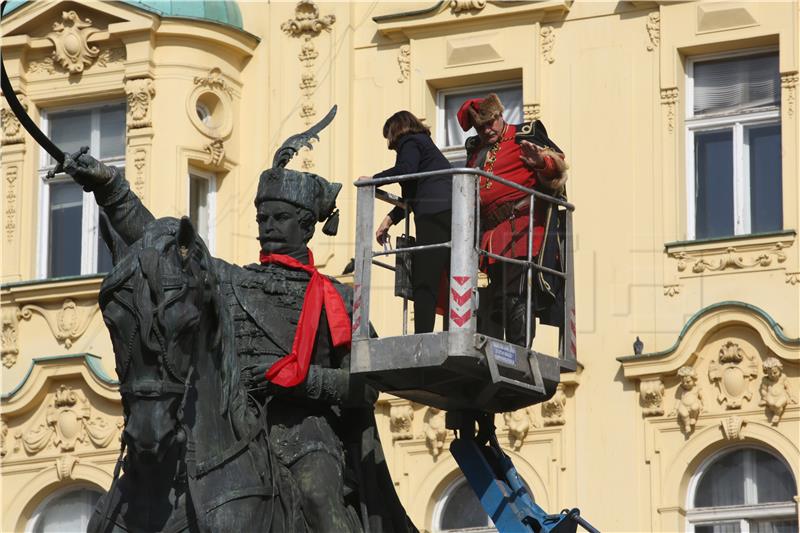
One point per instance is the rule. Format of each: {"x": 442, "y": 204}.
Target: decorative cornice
{"x": 91, "y": 361}
{"x": 307, "y": 21}
{"x": 745, "y": 256}
{"x": 734, "y": 305}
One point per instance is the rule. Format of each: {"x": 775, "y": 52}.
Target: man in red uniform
{"x": 504, "y": 210}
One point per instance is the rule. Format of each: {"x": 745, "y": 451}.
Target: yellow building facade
{"x": 680, "y": 121}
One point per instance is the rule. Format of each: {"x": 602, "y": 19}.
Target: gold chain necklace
{"x": 488, "y": 166}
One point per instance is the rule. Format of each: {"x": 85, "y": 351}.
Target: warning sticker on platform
{"x": 503, "y": 352}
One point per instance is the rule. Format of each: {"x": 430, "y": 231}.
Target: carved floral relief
{"x": 651, "y": 396}
{"x": 13, "y": 133}
{"x": 214, "y": 80}
{"x": 775, "y": 391}
{"x": 789, "y": 87}
{"x": 653, "y": 30}
{"x": 458, "y": 6}
{"x": 400, "y": 418}
{"x": 140, "y": 94}
{"x": 216, "y": 153}
{"x": 669, "y": 99}
{"x": 434, "y": 430}
{"x": 11, "y": 174}
{"x": 733, "y": 373}
{"x": 307, "y": 20}
{"x": 67, "y": 324}
{"x": 553, "y": 409}
{"x": 10, "y": 344}
{"x": 70, "y": 37}
{"x": 548, "y": 39}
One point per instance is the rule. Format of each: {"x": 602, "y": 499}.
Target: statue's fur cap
{"x": 477, "y": 111}
{"x": 302, "y": 189}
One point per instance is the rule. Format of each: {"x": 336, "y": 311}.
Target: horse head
{"x": 161, "y": 306}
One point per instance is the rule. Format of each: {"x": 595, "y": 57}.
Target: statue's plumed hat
{"x": 303, "y": 189}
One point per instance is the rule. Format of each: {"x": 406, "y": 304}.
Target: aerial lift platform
{"x": 468, "y": 374}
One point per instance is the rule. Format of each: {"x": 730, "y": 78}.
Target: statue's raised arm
{"x": 125, "y": 211}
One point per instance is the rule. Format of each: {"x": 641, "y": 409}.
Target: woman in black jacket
{"x": 430, "y": 200}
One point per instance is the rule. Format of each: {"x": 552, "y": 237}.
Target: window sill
{"x": 730, "y": 254}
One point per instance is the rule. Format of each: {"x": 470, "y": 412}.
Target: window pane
{"x": 765, "y": 178}
{"x": 511, "y": 97}
{"x": 64, "y": 246}
{"x": 773, "y": 480}
{"x": 69, "y": 513}
{"x": 70, "y": 130}
{"x": 727, "y": 527}
{"x": 198, "y": 205}
{"x": 713, "y": 184}
{"x": 736, "y": 84}
{"x": 723, "y": 482}
{"x": 463, "y": 509}
{"x": 773, "y": 526}
{"x": 112, "y": 131}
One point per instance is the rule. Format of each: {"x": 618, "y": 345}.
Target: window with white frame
{"x": 450, "y": 137}
{"x": 745, "y": 490}
{"x": 66, "y": 511}
{"x": 69, "y": 237}
{"x": 202, "y": 195}
{"x": 733, "y": 141}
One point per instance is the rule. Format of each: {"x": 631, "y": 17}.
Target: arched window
{"x": 66, "y": 511}
{"x": 460, "y": 510}
{"x": 746, "y": 490}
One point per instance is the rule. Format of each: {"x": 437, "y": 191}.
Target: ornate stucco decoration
{"x": 688, "y": 400}
{"x": 307, "y": 20}
{"x": 65, "y": 465}
{"x": 140, "y": 94}
{"x": 548, "y": 40}
{"x": 139, "y": 163}
{"x": 216, "y": 153}
{"x": 654, "y": 30}
{"x": 457, "y": 6}
{"x": 789, "y": 86}
{"x": 214, "y": 80}
{"x": 68, "y": 421}
{"x": 669, "y": 98}
{"x": 67, "y": 324}
{"x": 553, "y": 409}
{"x": 672, "y": 290}
{"x": 3, "y": 437}
{"x": 404, "y": 62}
{"x": 70, "y": 36}
{"x": 793, "y": 278}
{"x": 745, "y": 256}
{"x": 518, "y": 424}
{"x": 733, "y": 373}
{"x": 732, "y": 427}
{"x": 775, "y": 391}
{"x": 11, "y": 174}
{"x": 434, "y": 430}
{"x": 401, "y": 415}
{"x": 12, "y": 129}
{"x": 531, "y": 112}
{"x": 10, "y": 342}
{"x": 651, "y": 396}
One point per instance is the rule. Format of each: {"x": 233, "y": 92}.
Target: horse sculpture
{"x": 197, "y": 455}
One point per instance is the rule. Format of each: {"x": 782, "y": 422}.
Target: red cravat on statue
{"x": 291, "y": 370}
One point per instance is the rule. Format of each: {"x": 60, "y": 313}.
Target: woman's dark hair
{"x": 402, "y": 123}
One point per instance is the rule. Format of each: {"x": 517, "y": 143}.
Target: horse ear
{"x": 112, "y": 239}
{"x": 187, "y": 237}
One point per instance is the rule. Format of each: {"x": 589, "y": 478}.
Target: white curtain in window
{"x": 511, "y": 97}
{"x": 736, "y": 84}
{"x": 68, "y": 513}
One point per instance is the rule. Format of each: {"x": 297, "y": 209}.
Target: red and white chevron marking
{"x": 572, "y": 328}
{"x": 356, "y": 306}
{"x": 460, "y": 300}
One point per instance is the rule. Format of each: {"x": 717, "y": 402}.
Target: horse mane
{"x": 159, "y": 241}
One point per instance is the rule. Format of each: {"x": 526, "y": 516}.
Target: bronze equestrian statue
{"x": 320, "y": 421}
{"x": 180, "y": 383}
